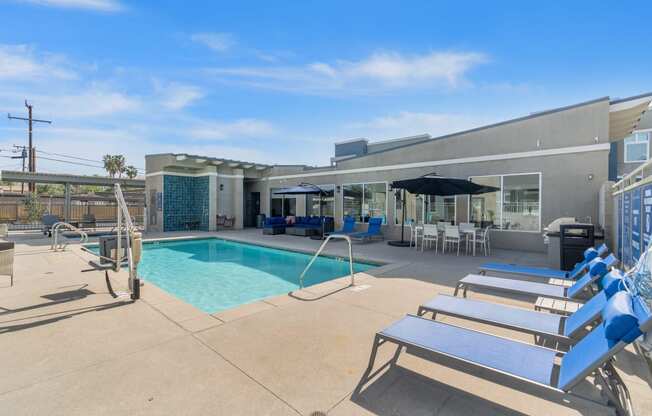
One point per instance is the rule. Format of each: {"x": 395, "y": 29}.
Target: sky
{"x": 280, "y": 82}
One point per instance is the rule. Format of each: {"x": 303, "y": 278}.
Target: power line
{"x": 78, "y": 158}
{"x": 70, "y": 162}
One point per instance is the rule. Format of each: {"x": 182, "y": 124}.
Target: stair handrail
{"x": 56, "y": 228}
{"x": 321, "y": 248}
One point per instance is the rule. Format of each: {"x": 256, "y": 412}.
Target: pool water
{"x": 214, "y": 274}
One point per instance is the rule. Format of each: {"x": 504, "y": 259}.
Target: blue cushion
{"x": 612, "y": 282}
{"x": 618, "y": 316}
{"x": 590, "y": 253}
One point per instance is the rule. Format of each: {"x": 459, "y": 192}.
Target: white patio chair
{"x": 452, "y": 236}
{"x": 467, "y": 229}
{"x": 482, "y": 240}
{"x": 430, "y": 234}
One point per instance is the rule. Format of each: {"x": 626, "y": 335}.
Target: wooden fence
{"x": 15, "y": 212}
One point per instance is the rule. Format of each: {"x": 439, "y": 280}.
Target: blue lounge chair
{"x": 562, "y": 329}
{"x": 348, "y": 227}
{"x": 598, "y": 268}
{"x": 625, "y": 318}
{"x": 544, "y": 272}
{"x": 373, "y": 230}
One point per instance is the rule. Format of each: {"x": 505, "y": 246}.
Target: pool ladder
{"x": 57, "y": 228}
{"x": 321, "y": 248}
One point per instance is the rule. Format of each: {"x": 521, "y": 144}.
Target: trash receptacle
{"x": 573, "y": 240}
{"x": 260, "y": 220}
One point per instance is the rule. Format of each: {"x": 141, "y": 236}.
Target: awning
{"x": 300, "y": 190}
{"x": 624, "y": 115}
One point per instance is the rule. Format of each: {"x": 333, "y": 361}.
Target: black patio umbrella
{"x": 433, "y": 184}
{"x": 305, "y": 189}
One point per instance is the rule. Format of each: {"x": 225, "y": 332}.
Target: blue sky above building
{"x": 279, "y": 83}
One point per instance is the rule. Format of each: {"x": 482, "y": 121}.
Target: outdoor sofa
{"x": 307, "y": 226}
{"x": 274, "y": 225}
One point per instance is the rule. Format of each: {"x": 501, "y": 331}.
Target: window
{"x": 439, "y": 208}
{"x": 413, "y": 207}
{"x": 364, "y": 201}
{"x": 276, "y": 205}
{"x": 282, "y": 205}
{"x": 375, "y": 201}
{"x": 289, "y": 206}
{"x": 637, "y": 148}
{"x": 485, "y": 208}
{"x": 521, "y": 202}
{"x": 327, "y": 202}
{"x": 516, "y": 206}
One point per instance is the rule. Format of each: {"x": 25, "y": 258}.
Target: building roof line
{"x": 488, "y": 126}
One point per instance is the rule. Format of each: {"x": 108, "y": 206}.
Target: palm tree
{"x": 109, "y": 165}
{"x": 131, "y": 172}
{"x": 120, "y": 163}
{"x": 114, "y": 165}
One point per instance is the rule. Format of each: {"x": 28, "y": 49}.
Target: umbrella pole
{"x": 321, "y": 217}
{"x": 403, "y": 220}
{"x": 401, "y": 242}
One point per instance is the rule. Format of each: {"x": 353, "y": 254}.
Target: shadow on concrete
{"x": 54, "y": 299}
{"x": 58, "y": 316}
{"x": 319, "y": 296}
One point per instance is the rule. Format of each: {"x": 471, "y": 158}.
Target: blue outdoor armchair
{"x": 348, "y": 226}
{"x": 373, "y": 230}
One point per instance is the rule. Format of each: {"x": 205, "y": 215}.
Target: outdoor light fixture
{"x": 338, "y": 188}
{"x": 221, "y": 187}
{"x": 590, "y": 177}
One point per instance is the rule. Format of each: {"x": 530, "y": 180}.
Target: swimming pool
{"x": 214, "y": 274}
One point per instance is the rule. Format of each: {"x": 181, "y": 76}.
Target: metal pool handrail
{"x": 55, "y": 235}
{"x": 321, "y": 248}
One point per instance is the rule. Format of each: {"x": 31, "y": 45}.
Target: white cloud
{"x": 219, "y": 42}
{"x": 221, "y": 130}
{"x": 412, "y": 123}
{"x": 175, "y": 96}
{"x": 98, "y": 5}
{"x": 92, "y": 103}
{"x": 20, "y": 62}
{"x": 378, "y": 72}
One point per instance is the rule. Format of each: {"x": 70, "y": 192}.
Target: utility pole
{"x": 23, "y": 155}
{"x": 32, "y": 159}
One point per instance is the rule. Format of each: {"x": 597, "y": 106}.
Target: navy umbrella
{"x": 439, "y": 185}
{"x": 433, "y": 184}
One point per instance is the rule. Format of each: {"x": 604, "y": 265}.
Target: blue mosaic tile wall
{"x": 185, "y": 203}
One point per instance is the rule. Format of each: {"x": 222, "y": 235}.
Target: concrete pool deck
{"x": 68, "y": 347}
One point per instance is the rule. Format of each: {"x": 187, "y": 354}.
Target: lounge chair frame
{"x": 539, "y": 336}
{"x": 613, "y": 389}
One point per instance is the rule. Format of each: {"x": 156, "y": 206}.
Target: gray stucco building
{"x": 547, "y": 165}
